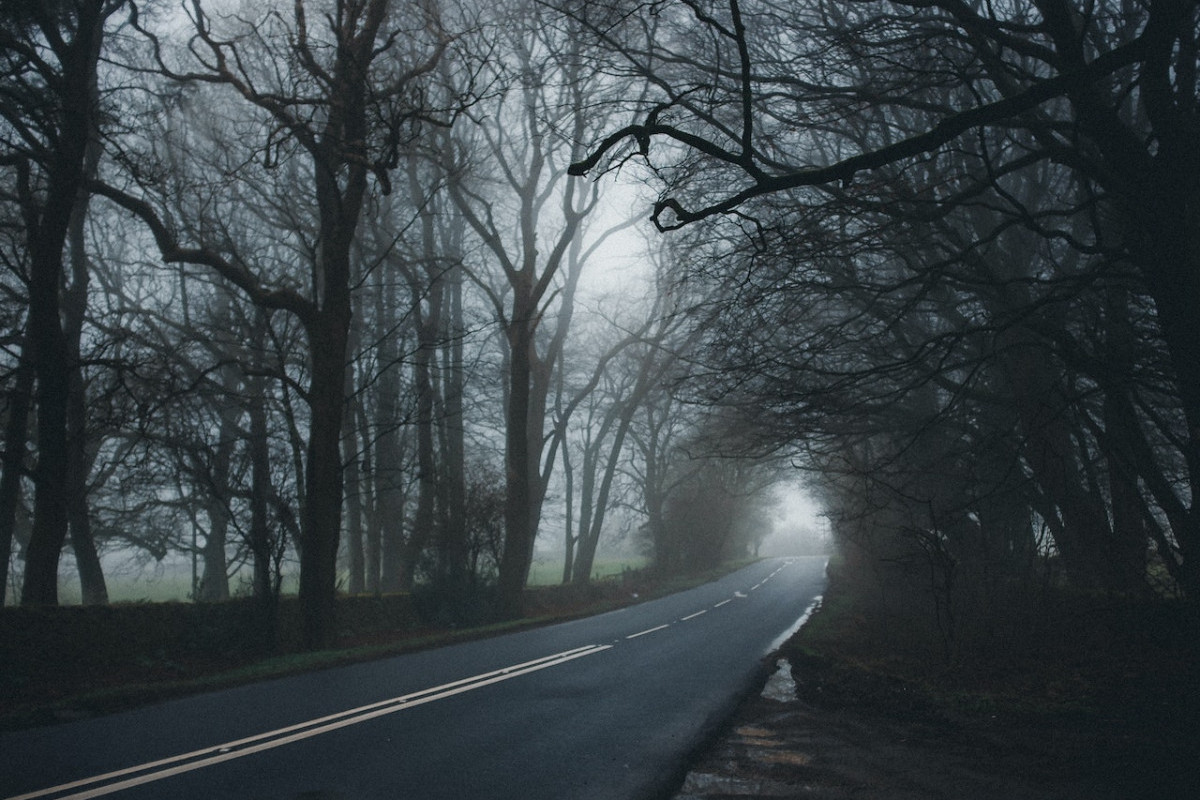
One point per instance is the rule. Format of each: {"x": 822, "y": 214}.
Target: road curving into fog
{"x": 609, "y": 706}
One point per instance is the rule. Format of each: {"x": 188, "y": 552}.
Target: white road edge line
{"x": 693, "y": 616}
{"x": 226, "y": 752}
{"x": 648, "y": 630}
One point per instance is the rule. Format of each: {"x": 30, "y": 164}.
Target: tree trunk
{"x": 446, "y": 289}
{"x": 369, "y": 494}
{"x": 1170, "y": 260}
{"x": 340, "y": 175}
{"x": 354, "y": 483}
{"x": 569, "y": 536}
{"x": 581, "y": 570}
{"x": 321, "y": 524}
{"x": 1125, "y": 551}
{"x": 425, "y": 285}
{"x": 214, "y": 581}
{"x": 454, "y": 468}
{"x": 12, "y": 462}
{"x": 80, "y": 458}
{"x": 389, "y": 467}
{"x": 263, "y": 547}
{"x": 50, "y": 348}
{"x": 423, "y": 521}
{"x": 355, "y": 564}
{"x": 654, "y": 498}
{"x": 1051, "y": 453}
{"x": 595, "y": 503}
{"x": 521, "y": 468}
{"x": 50, "y": 514}
{"x": 392, "y": 499}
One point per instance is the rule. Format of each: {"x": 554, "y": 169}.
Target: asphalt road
{"x": 605, "y": 707}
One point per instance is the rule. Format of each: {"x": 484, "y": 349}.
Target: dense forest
{"x": 306, "y": 286}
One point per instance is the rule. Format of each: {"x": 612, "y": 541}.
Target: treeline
{"x": 953, "y": 253}
{"x": 301, "y": 282}
{"x": 306, "y": 278}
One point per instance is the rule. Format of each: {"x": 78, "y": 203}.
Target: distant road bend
{"x": 604, "y": 707}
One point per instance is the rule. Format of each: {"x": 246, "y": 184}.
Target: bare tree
{"x": 626, "y": 376}
{"x": 528, "y": 220}
{"x": 825, "y": 98}
{"x": 51, "y": 113}
{"x": 339, "y": 98}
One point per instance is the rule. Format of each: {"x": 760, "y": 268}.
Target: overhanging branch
{"x": 943, "y": 132}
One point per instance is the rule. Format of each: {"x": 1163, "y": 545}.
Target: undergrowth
{"x": 1118, "y": 677}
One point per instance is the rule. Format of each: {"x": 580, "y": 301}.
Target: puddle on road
{"x": 780, "y": 686}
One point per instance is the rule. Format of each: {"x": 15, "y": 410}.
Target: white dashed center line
{"x": 648, "y": 630}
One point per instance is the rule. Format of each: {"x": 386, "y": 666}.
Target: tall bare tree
{"x": 527, "y": 220}
{"x": 51, "y": 113}
{"x": 338, "y": 96}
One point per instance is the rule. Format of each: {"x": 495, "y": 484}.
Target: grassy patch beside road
{"x": 110, "y": 673}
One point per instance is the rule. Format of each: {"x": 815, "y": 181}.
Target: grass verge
{"x": 140, "y": 681}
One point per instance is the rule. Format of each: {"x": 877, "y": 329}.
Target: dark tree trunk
{"x": 321, "y": 524}
{"x": 391, "y": 497}
{"x": 340, "y": 173}
{"x": 1176, "y": 291}
{"x": 328, "y": 331}
{"x": 322, "y": 521}
{"x": 354, "y": 482}
{"x": 80, "y": 459}
{"x": 1126, "y": 550}
{"x": 654, "y": 498}
{"x": 50, "y": 508}
{"x": 214, "y": 581}
{"x": 1053, "y": 458}
{"x": 455, "y": 545}
{"x": 12, "y": 462}
{"x": 52, "y": 360}
{"x": 426, "y": 287}
{"x": 521, "y": 464}
{"x": 355, "y": 564}
{"x": 264, "y": 548}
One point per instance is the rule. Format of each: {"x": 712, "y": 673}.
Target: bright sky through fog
{"x": 798, "y": 524}
{"x": 621, "y": 263}
{"x": 796, "y": 508}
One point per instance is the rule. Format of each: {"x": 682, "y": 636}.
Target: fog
{"x": 538, "y": 282}
{"x": 800, "y": 526}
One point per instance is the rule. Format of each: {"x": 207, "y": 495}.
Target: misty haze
{"x": 566, "y": 399}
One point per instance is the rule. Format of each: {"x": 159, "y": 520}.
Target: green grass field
{"x": 157, "y": 584}
{"x": 549, "y": 571}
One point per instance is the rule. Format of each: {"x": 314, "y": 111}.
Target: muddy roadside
{"x": 827, "y": 729}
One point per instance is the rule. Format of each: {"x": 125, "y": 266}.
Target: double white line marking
{"x": 110, "y": 782}
{"x": 100, "y": 785}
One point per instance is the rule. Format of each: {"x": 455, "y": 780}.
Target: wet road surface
{"x": 605, "y": 707}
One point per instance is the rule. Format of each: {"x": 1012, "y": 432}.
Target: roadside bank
{"x": 840, "y": 719}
